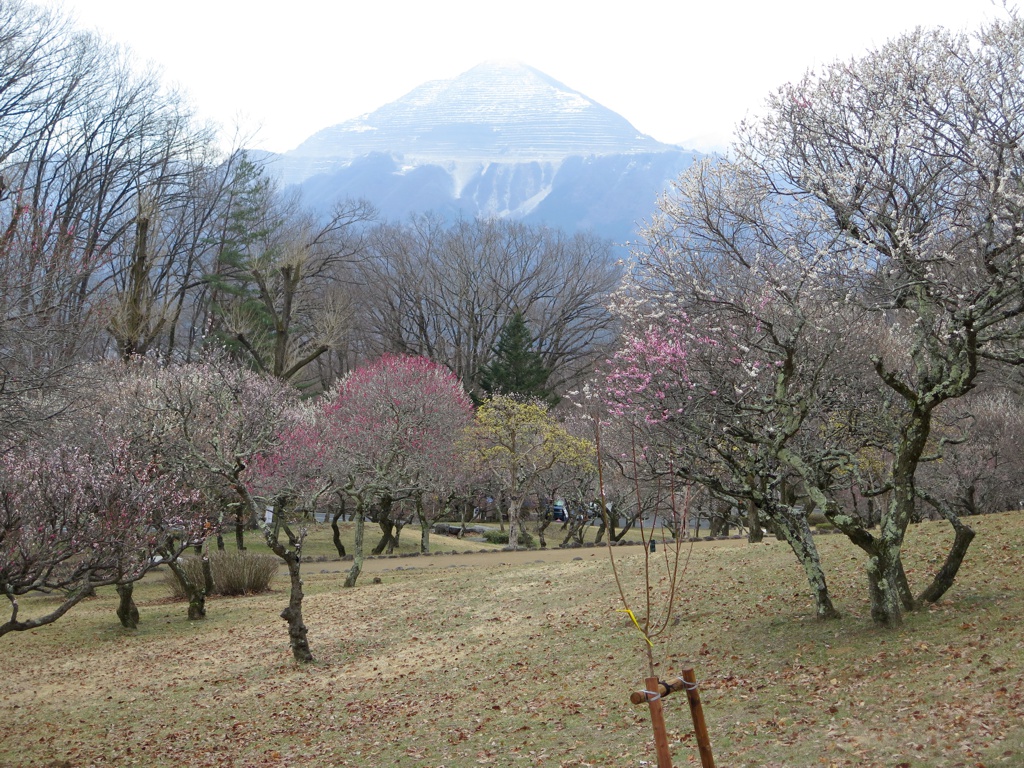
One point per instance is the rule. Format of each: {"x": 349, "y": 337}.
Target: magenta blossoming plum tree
{"x": 391, "y": 430}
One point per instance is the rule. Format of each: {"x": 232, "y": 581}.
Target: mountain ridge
{"x": 502, "y": 140}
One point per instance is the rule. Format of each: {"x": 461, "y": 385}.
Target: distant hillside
{"x": 501, "y": 140}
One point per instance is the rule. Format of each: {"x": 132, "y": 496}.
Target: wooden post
{"x": 700, "y": 728}
{"x": 658, "y": 721}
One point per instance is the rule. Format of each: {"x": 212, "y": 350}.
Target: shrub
{"x": 501, "y": 537}
{"x": 818, "y": 519}
{"x": 496, "y": 537}
{"x": 235, "y": 572}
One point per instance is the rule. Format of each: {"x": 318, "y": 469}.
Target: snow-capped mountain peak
{"x": 501, "y": 140}
{"x": 498, "y": 110}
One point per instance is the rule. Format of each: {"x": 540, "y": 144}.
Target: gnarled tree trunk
{"x": 793, "y": 526}
{"x": 127, "y": 611}
{"x": 194, "y": 593}
{"x": 357, "y": 554}
{"x": 293, "y": 613}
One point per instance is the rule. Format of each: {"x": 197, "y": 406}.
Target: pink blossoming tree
{"x": 286, "y": 482}
{"x": 72, "y": 521}
{"x": 391, "y": 430}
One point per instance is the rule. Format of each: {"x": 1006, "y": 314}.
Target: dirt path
{"x": 488, "y": 559}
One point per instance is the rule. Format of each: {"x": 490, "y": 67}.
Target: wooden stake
{"x": 658, "y": 721}
{"x": 700, "y": 728}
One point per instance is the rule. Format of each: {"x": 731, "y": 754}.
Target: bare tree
{"x": 845, "y": 279}
{"x": 913, "y": 155}
{"x": 446, "y": 292}
{"x": 88, "y": 145}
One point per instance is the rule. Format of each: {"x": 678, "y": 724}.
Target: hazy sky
{"x": 682, "y": 72}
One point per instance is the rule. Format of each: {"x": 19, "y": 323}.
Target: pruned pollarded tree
{"x": 272, "y": 297}
{"x": 157, "y": 293}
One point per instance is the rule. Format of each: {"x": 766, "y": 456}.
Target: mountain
{"x": 502, "y": 139}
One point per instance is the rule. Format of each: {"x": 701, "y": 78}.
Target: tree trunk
{"x": 541, "y": 527}
{"x": 610, "y": 521}
{"x": 720, "y": 519}
{"x": 903, "y": 588}
{"x": 424, "y": 535}
{"x": 797, "y": 533}
{"x": 207, "y": 575}
{"x": 886, "y": 580}
{"x": 387, "y": 539}
{"x": 195, "y": 594}
{"x": 513, "y": 523}
{"x": 127, "y": 611}
{"x": 239, "y": 532}
{"x": 336, "y": 529}
{"x": 885, "y": 571}
{"x": 943, "y": 580}
{"x": 886, "y": 602}
{"x": 293, "y": 613}
{"x": 577, "y": 525}
{"x": 618, "y": 536}
{"x": 754, "y": 533}
{"x": 292, "y": 556}
{"x": 387, "y": 526}
{"x": 357, "y": 554}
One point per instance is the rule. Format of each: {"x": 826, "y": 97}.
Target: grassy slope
{"x": 533, "y": 665}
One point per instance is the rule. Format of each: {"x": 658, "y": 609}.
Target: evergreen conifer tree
{"x": 241, "y": 323}
{"x": 517, "y": 367}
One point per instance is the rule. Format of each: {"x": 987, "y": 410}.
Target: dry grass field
{"x": 498, "y": 660}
